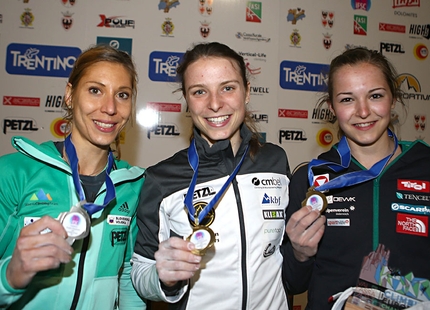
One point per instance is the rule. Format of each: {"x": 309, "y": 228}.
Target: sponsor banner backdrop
{"x": 287, "y": 47}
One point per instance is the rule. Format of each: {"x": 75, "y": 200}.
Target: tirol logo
{"x": 409, "y": 83}
{"x": 115, "y": 22}
{"x": 122, "y": 44}
{"x": 361, "y": 5}
{"x": 413, "y": 185}
{"x": 271, "y": 200}
{"x": 40, "y": 60}
{"x": 163, "y": 130}
{"x": 19, "y": 125}
{"x": 303, "y": 76}
{"x": 118, "y": 236}
{"x": 253, "y": 12}
{"x": 360, "y": 25}
{"x": 412, "y": 224}
{"x": 405, "y": 3}
{"x": 162, "y": 66}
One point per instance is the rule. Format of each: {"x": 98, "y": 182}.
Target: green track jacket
{"x": 35, "y": 182}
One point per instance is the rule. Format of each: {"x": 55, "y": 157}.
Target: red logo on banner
{"x": 412, "y": 224}
{"x": 292, "y": 113}
{"x": 392, "y": 28}
{"x": 165, "y": 107}
{"x": 413, "y": 186}
{"x": 21, "y": 101}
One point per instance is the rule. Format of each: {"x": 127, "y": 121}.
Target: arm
{"x": 304, "y": 229}
{"x": 158, "y": 258}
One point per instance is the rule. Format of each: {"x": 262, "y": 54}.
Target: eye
{"x": 376, "y": 96}
{"x": 94, "y": 90}
{"x": 198, "y": 92}
{"x": 229, "y": 88}
{"x": 346, "y": 99}
{"x": 124, "y": 95}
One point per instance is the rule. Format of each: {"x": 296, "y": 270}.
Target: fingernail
{"x": 191, "y": 246}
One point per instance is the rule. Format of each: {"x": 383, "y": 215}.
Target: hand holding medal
{"x": 76, "y": 222}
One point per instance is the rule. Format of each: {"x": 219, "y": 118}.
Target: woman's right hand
{"x": 175, "y": 262}
{"x": 36, "y": 252}
{"x": 305, "y": 229}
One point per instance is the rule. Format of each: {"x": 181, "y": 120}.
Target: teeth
{"x": 104, "y": 125}
{"x": 219, "y": 119}
{"x": 364, "y": 124}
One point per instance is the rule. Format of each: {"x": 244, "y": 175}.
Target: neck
{"x": 90, "y": 163}
{"x": 370, "y": 155}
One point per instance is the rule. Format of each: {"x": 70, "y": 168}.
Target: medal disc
{"x": 203, "y": 238}
{"x": 76, "y": 222}
{"x": 316, "y": 200}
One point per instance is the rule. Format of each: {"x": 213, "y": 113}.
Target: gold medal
{"x": 315, "y": 199}
{"x": 203, "y": 238}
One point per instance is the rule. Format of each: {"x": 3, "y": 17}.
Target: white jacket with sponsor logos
{"x": 243, "y": 270}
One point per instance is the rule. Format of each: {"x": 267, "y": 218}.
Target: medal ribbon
{"x": 91, "y": 208}
{"x": 193, "y": 159}
{"x": 350, "y": 178}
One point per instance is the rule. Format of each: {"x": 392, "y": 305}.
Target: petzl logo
{"x": 40, "y": 60}
{"x": 163, "y": 130}
{"x": 118, "y": 236}
{"x": 303, "y": 76}
{"x": 19, "y": 124}
{"x": 162, "y": 66}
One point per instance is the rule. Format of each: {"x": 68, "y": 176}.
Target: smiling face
{"x": 216, "y": 96}
{"x": 362, "y": 103}
{"x": 101, "y": 103}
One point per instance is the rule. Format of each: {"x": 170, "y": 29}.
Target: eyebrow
{"x": 223, "y": 83}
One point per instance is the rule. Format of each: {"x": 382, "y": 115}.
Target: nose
{"x": 109, "y": 105}
{"x": 215, "y": 102}
{"x": 363, "y": 108}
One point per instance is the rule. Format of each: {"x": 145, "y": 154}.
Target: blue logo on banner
{"x": 122, "y": 44}
{"x": 303, "y": 76}
{"x": 162, "y": 66}
{"x": 41, "y": 60}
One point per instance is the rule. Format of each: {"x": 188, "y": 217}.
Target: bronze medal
{"x": 315, "y": 199}
{"x": 203, "y": 238}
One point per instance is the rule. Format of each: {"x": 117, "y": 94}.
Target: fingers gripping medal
{"x": 76, "y": 222}
{"x": 315, "y": 199}
{"x": 202, "y": 237}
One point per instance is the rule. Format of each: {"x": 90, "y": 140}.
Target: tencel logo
{"x": 40, "y": 60}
